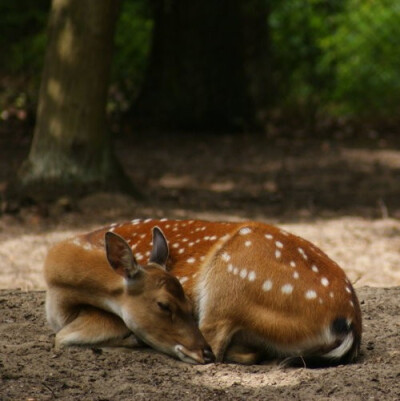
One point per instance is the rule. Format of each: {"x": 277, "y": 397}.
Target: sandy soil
{"x": 30, "y": 369}
{"x": 343, "y": 196}
{"x": 368, "y": 250}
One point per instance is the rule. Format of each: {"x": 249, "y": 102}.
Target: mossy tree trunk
{"x": 205, "y": 65}
{"x": 71, "y": 150}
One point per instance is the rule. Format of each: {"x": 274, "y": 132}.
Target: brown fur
{"x": 226, "y": 270}
{"x": 90, "y": 303}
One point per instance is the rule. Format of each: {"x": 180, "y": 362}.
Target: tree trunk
{"x": 71, "y": 150}
{"x": 200, "y": 69}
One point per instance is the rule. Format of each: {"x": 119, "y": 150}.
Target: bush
{"x": 365, "y": 53}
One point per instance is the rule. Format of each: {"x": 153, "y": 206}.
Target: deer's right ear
{"x": 160, "y": 252}
{"x": 120, "y": 257}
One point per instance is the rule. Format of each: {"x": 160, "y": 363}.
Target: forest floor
{"x": 341, "y": 194}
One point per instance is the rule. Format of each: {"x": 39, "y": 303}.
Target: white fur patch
{"x": 267, "y": 285}
{"x": 251, "y": 276}
{"x": 342, "y": 349}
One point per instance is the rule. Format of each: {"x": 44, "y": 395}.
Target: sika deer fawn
{"x": 88, "y": 303}
{"x": 259, "y": 292}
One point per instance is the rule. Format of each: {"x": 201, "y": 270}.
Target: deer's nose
{"x": 208, "y": 355}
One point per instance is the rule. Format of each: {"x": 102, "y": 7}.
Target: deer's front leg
{"x": 96, "y": 327}
{"x": 218, "y": 334}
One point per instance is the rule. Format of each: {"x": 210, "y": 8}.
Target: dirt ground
{"x": 343, "y": 195}
{"x": 32, "y": 370}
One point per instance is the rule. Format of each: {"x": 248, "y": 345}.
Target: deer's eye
{"x": 164, "y": 307}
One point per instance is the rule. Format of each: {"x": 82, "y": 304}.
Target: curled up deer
{"x": 203, "y": 291}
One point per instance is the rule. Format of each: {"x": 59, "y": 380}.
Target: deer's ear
{"x": 159, "y": 253}
{"x": 120, "y": 257}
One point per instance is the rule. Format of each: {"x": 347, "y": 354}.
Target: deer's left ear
{"x": 160, "y": 252}
{"x": 120, "y": 257}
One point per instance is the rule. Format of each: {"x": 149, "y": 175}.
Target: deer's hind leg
{"x": 93, "y": 326}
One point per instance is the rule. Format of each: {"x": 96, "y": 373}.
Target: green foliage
{"x": 337, "y": 56}
{"x": 132, "y": 43}
{"x": 297, "y": 29}
{"x": 365, "y": 52}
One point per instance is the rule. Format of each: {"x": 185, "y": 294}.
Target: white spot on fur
{"x": 331, "y": 294}
{"x": 251, "y": 276}
{"x": 176, "y": 245}
{"x": 191, "y": 260}
{"x": 268, "y": 236}
{"x": 243, "y": 273}
{"x": 181, "y": 250}
{"x": 235, "y": 270}
{"x": 287, "y": 289}
{"x": 230, "y": 268}
{"x": 76, "y": 242}
{"x": 139, "y": 256}
{"x": 226, "y": 257}
{"x": 311, "y": 294}
{"x": 302, "y": 253}
{"x": 267, "y": 285}
{"x": 293, "y": 264}
{"x": 278, "y": 253}
{"x": 324, "y": 281}
{"x": 314, "y": 269}
{"x": 296, "y": 275}
{"x": 279, "y": 244}
{"x": 213, "y": 238}
{"x": 244, "y": 231}
{"x": 87, "y": 247}
{"x": 247, "y": 243}
{"x": 183, "y": 280}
